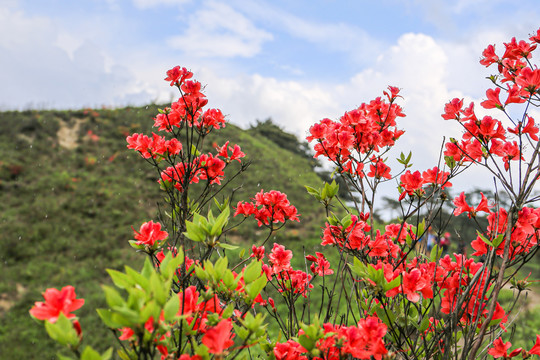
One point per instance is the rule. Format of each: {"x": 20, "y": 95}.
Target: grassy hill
{"x": 70, "y": 191}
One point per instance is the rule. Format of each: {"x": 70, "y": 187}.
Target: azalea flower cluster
{"x": 524, "y": 235}
{"x": 487, "y": 137}
{"x": 154, "y": 147}
{"x": 354, "y": 139}
{"x": 363, "y": 341}
{"x": 195, "y": 311}
{"x": 417, "y": 278}
{"x": 413, "y": 183}
{"x": 500, "y": 349}
{"x": 268, "y": 208}
{"x": 289, "y": 280}
{"x": 192, "y": 167}
{"x": 188, "y": 109}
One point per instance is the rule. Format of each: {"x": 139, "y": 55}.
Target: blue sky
{"x": 295, "y": 61}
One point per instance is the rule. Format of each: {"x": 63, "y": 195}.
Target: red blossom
{"x": 452, "y": 109}
{"x": 270, "y": 207}
{"x": 489, "y": 56}
{"x": 320, "y": 265}
{"x": 536, "y": 348}
{"x": 500, "y": 349}
{"x": 378, "y": 169}
{"x": 177, "y": 75}
{"x": 257, "y": 252}
{"x": 150, "y": 233}
{"x": 436, "y": 176}
{"x": 493, "y": 99}
{"x": 57, "y": 302}
{"x": 531, "y": 129}
{"x": 236, "y": 152}
{"x": 280, "y": 258}
{"x": 410, "y": 182}
{"x": 219, "y": 338}
{"x": 529, "y": 79}
{"x": 462, "y": 206}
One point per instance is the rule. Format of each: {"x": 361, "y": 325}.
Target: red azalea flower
{"x": 410, "y": 182}
{"x": 280, "y": 258}
{"x": 493, "y": 99}
{"x": 500, "y": 349}
{"x": 56, "y": 302}
{"x": 462, "y": 206}
{"x": 536, "y": 348}
{"x": 178, "y": 75}
{"x": 320, "y": 265}
{"x": 150, "y": 233}
{"x": 452, "y": 109}
{"x": 219, "y": 337}
{"x": 530, "y": 129}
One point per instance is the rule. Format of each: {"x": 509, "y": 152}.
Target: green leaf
{"x": 498, "y": 240}
{"x": 148, "y": 268}
{"x": 359, "y": 268}
{"x": 334, "y": 189}
{"x": 324, "y": 192}
{"x": 112, "y": 296}
{"x": 421, "y": 228}
{"x": 150, "y": 309}
{"x": 129, "y": 315}
{"x": 436, "y": 253}
{"x": 90, "y": 354}
{"x": 106, "y": 316}
{"x": 137, "y": 278}
{"x": 62, "y": 331}
{"x": 220, "y": 222}
{"x": 133, "y": 244}
{"x": 229, "y": 281}
{"x": 170, "y": 264}
{"x": 424, "y": 324}
{"x": 219, "y": 267}
{"x": 194, "y": 232}
{"x": 119, "y": 279}
{"x": 222, "y": 207}
{"x": 158, "y": 289}
{"x": 387, "y": 317}
{"x": 201, "y": 273}
{"x": 450, "y": 162}
{"x": 484, "y": 239}
{"x": 228, "y": 246}
{"x": 307, "y": 342}
{"x": 62, "y": 357}
{"x": 346, "y": 221}
{"x": 392, "y": 284}
{"x": 171, "y": 308}
{"x": 256, "y": 287}
{"x": 252, "y": 271}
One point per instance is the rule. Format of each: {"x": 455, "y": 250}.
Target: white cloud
{"x": 43, "y": 74}
{"x": 217, "y": 30}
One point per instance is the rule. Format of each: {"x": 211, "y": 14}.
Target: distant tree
{"x": 276, "y": 134}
